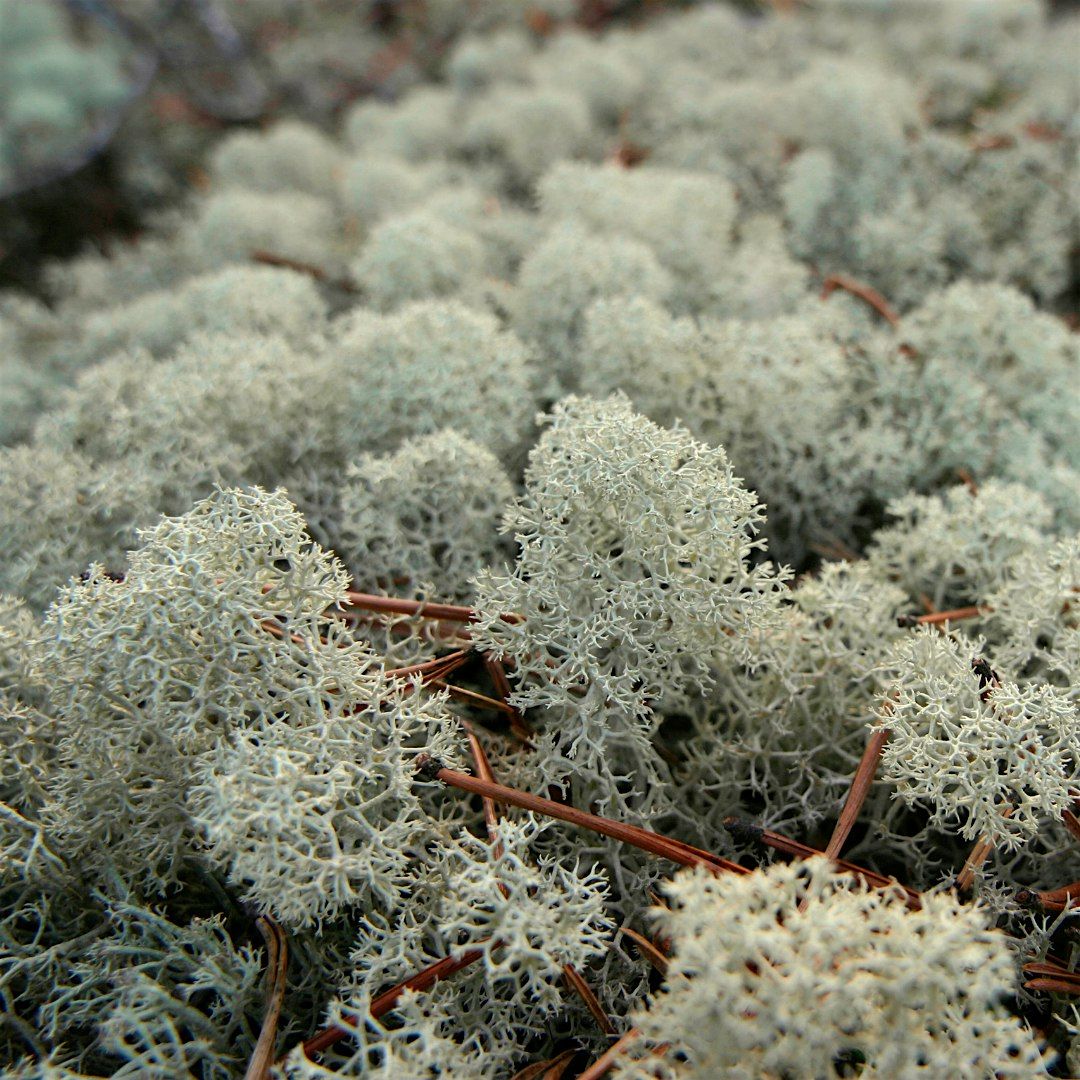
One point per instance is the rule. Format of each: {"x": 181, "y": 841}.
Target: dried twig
{"x": 397, "y": 605}
{"x": 1064, "y": 899}
{"x": 497, "y": 672}
{"x": 1052, "y": 977}
{"x": 491, "y": 817}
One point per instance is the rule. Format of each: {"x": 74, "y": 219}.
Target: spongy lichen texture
{"x": 692, "y": 363}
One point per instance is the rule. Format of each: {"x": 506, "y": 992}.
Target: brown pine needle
{"x": 550, "y": 1069}
{"x": 965, "y": 478}
{"x": 1054, "y": 970}
{"x": 491, "y": 817}
{"x": 386, "y": 1001}
{"x": 270, "y": 258}
{"x": 396, "y": 605}
{"x": 935, "y": 617}
{"x": 276, "y": 630}
{"x": 866, "y": 293}
{"x": 1053, "y": 986}
{"x": 432, "y": 669}
{"x": 479, "y": 701}
{"x": 497, "y": 673}
{"x": 277, "y": 962}
{"x": 424, "y": 609}
{"x": 1063, "y": 899}
{"x": 592, "y": 1003}
{"x": 656, "y": 843}
{"x": 491, "y": 811}
{"x": 860, "y": 788}
{"x": 603, "y": 1063}
{"x": 655, "y": 956}
{"x": 424, "y": 980}
{"x": 316, "y": 273}
{"x": 979, "y": 854}
{"x": 1072, "y": 823}
{"x": 1052, "y": 977}
{"x": 746, "y": 830}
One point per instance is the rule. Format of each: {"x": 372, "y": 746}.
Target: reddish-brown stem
{"x": 1052, "y": 977}
{"x": 860, "y": 788}
{"x": 656, "y": 843}
{"x": 866, "y": 293}
{"x": 277, "y": 962}
{"x": 275, "y": 630}
{"x": 992, "y": 142}
{"x": 1052, "y": 968}
{"x": 1065, "y": 899}
{"x": 491, "y": 811}
{"x": 1041, "y": 132}
{"x": 398, "y": 605}
{"x": 270, "y": 258}
{"x": 1064, "y": 894}
{"x": 965, "y": 478}
{"x": 424, "y": 980}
